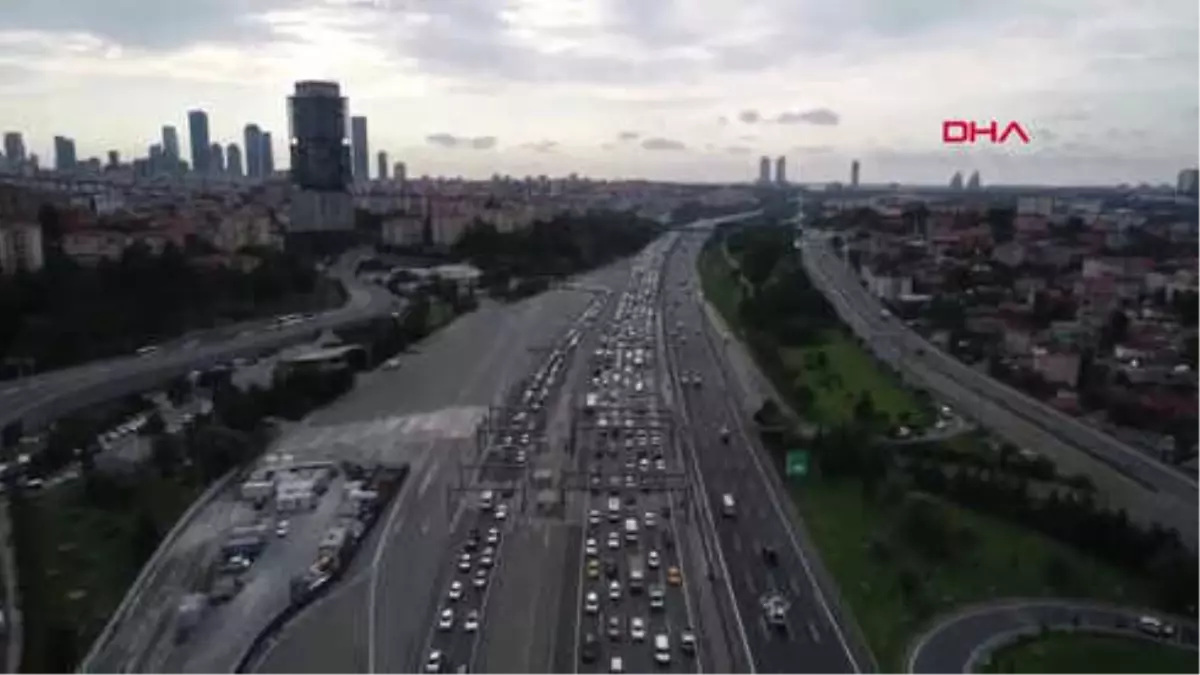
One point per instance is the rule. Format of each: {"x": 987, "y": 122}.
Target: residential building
{"x": 854, "y": 167}
{"x": 20, "y": 247}
{"x": 764, "y": 170}
{"x": 781, "y": 171}
{"x": 320, "y": 154}
{"x": 14, "y": 147}
{"x": 64, "y": 153}
{"x": 170, "y": 145}
{"x": 268, "y": 155}
{"x": 216, "y": 159}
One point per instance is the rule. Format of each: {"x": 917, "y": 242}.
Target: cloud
{"x": 749, "y": 117}
{"x": 738, "y": 150}
{"x": 813, "y": 149}
{"x": 818, "y": 116}
{"x": 663, "y": 144}
{"x": 445, "y": 140}
{"x": 541, "y": 146}
{"x": 628, "y": 136}
{"x": 723, "y": 120}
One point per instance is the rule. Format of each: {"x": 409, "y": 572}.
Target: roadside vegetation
{"x": 910, "y": 532}
{"x": 68, "y": 313}
{"x": 1083, "y": 653}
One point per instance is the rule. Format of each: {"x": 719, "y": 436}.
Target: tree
{"x": 145, "y": 537}
{"x": 864, "y": 409}
{"x": 166, "y": 452}
{"x": 154, "y": 425}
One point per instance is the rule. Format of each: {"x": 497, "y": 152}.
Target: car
{"x": 662, "y": 649}
{"x": 480, "y": 579}
{"x": 593, "y": 517}
{"x": 770, "y": 556}
{"x": 464, "y": 562}
{"x": 649, "y": 519}
{"x": 593, "y": 569}
{"x": 456, "y": 590}
{"x": 590, "y": 548}
{"x": 610, "y": 569}
{"x": 493, "y": 536}
{"x": 614, "y": 590}
{"x": 591, "y": 603}
{"x": 637, "y": 629}
{"x": 589, "y": 649}
{"x": 616, "y": 665}
{"x": 433, "y": 663}
{"x": 486, "y": 561}
{"x": 674, "y": 577}
{"x": 657, "y": 598}
{"x": 446, "y": 619}
{"x": 652, "y": 560}
{"x": 392, "y": 363}
{"x": 471, "y": 623}
{"x": 614, "y": 628}
{"x": 281, "y": 528}
{"x": 501, "y": 511}
{"x": 614, "y": 540}
{"x": 687, "y": 642}
{"x": 660, "y": 464}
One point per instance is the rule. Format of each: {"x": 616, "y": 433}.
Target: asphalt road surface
{"x": 378, "y": 619}
{"x": 1149, "y": 490}
{"x": 40, "y": 399}
{"x": 814, "y": 639}
{"x": 961, "y": 640}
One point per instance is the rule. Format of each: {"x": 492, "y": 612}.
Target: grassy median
{"x": 1078, "y": 653}
{"x": 875, "y": 541}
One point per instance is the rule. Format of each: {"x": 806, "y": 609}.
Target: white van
{"x": 662, "y": 649}
{"x": 486, "y": 500}
{"x": 631, "y": 530}
{"x": 728, "y": 509}
{"x": 614, "y": 509}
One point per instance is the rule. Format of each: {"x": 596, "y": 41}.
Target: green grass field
{"x": 869, "y": 559}
{"x": 1077, "y": 653}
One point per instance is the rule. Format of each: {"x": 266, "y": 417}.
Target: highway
{"x": 1149, "y": 490}
{"x": 962, "y": 640}
{"x": 814, "y": 639}
{"x": 39, "y": 399}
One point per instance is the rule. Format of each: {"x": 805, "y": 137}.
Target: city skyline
{"x": 624, "y": 90}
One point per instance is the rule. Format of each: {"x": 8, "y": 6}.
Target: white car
{"x": 464, "y": 562}
{"x": 616, "y": 665}
{"x": 652, "y": 560}
{"x": 433, "y": 664}
{"x": 471, "y": 623}
{"x": 649, "y": 520}
{"x": 637, "y": 629}
{"x": 456, "y": 590}
{"x": 614, "y": 590}
{"x": 502, "y": 512}
{"x": 392, "y": 363}
{"x": 446, "y": 619}
{"x": 480, "y": 580}
{"x": 591, "y": 603}
{"x": 590, "y": 548}
{"x": 281, "y": 528}
{"x": 614, "y": 540}
{"x": 493, "y": 536}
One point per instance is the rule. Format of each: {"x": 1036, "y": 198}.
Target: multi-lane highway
{"x": 765, "y": 561}
{"x": 1146, "y": 488}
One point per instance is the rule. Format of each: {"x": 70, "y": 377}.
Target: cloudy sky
{"x": 663, "y": 89}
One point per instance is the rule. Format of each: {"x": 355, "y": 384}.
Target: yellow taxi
{"x": 673, "y": 576}
{"x": 593, "y": 569}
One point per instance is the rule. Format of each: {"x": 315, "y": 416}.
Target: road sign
{"x": 797, "y": 463}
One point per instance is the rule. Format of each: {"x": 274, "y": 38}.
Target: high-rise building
{"x": 764, "y": 170}
{"x": 382, "y": 165}
{"x": 399, "y": 172}
{"x": 267, "y": 155}
{"x": 64, "y": 153}
{"x": 854, "y": 174}
{"x": 233, "y": 159}
{"x": 1187, "y": 183}
{"x": 156, "y": 156}
{"x": 252, "y": 138}
{"x": 14, "y": 147}
{"x": 973, "y": 181}
{"x": 358, "y": 148}
{"x": 114, "y": 159}
{"x": 170, "y": 145}
{"x": 320, "y": 153}
{"x": 198, "y": 135}
{"x": 956, "y": 182}
{"x": 216, "y": 159}
{"x": 781, "y": 170}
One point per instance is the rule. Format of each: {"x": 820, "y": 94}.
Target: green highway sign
{"x": 797, "y": 463}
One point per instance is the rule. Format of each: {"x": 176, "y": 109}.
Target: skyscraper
{"x": 854, "y": 174}
{"x": 14, "y": 147}
{"x": 216, "y": 161}
{"x": 399, "y": 172}
{"x": 1186, "y": 184}
{"x": 170, "y": 145}
{"x": 956, "y": 181}
{"x": 320, "y": 154}
{"x": 158, "y": 161}
{"x": 359, "y": 149}
{"x": 973, "y": 181}
{"x": 64, "y": 153}
{"x": 382, "y": 165}
{"x": 764, "y": 170}
{"x": 233, "y": 160}
{"x": 252, "y": 138}
{"x": 267, "y": 155}
{"x": 781, "y": 170}
{"x": 198, "y": 135}
{"x": 114, "y": 159}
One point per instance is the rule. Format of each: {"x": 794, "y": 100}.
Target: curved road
{"x": 40, "y": 399}
{"x": 959, "y": 641}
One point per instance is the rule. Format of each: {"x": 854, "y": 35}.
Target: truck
{"x": 637, "y": 573}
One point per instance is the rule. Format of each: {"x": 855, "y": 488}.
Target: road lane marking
{"x": 812, "y": 630}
